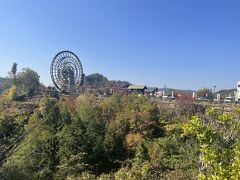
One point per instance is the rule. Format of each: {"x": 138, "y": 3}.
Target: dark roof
{"x": 151, "y": 89}
{"x": 137, "y": 87}
{"x": 125, "y": 85}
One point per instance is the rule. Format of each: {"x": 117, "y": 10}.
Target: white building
{"x": 238, "y": 91}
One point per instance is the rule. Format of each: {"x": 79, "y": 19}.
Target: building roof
{"x": 137, "y": 87}
{"x": 151, "y": 89}
{"x": 125, "y": 85}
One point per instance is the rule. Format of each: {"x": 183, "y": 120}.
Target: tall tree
{"x": 14, "y": 72}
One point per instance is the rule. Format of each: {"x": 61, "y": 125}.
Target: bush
{"x": 120, "y": 137}
{"x": 218, "y": 138}
{"x": 12, "y": 95}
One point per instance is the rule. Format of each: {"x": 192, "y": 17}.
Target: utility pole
{"x": 165, "y": 89}
{"x": 214, "y": 89}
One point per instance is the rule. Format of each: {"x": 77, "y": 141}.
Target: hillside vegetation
{"x": 5, "y": 84}
{"x": 120, "y": 137}
{"x": 99, "y": 81}
{"x": 226, "y": 93}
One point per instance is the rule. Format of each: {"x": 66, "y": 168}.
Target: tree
{"x": 205, "y": 92}
{"x": 28, "y": 81}
{"x": 121, "y": 137}
{"x": 8, "y": 129}
{"x": 97, "y": 80}
{"x": 14, "y": 72}
{"x": 70, "y": 153}
{"x": 36, "y": 155}
{"x": 217, "y": 135}
{"x": 5, "y": 83}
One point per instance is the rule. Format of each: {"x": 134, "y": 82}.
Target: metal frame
{"x": 66, "y": 72}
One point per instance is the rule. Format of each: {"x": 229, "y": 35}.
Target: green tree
{"x": 14, "y": 72}
{"x": 88, "y": 137}
{"x": 9, "y": 128}
{"x": 97, "y": 80}
{"x": 5, "y": 84}
{"x": 71, "y": 155}
{"x": 217, "y": 136}
{"x": 28, "y": 81}
{"x": 205, "y": 92}
{"x": 36, "y": 156}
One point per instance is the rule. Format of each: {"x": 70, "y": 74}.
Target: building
{"x": 237, "y": 97}
{"x": 137, "y": 89}
{"x": 120, "y": 89}
{"x": 151, "y": 91}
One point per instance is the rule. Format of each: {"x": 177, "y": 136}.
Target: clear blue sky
{"x": 188, "y": 44}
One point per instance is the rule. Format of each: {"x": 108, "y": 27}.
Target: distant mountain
{"x": 223, "y": 93}
{"x": 99, "y": 81}
{"x": 178, "y": 91}
{"x": 226, "y": 93}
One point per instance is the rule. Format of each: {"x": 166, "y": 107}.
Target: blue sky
{"x": 187, "y": 44}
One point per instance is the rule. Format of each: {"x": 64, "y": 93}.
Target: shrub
{"x": 12, "y": 95}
